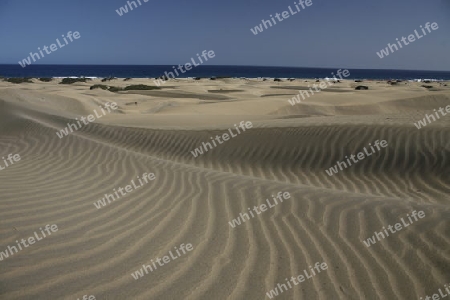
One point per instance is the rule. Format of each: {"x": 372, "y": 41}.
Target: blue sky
{"x": 345, "y": 33}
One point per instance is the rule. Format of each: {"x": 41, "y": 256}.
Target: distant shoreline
{"x": 208, "y": 71}
{"x": 274, "y": 80}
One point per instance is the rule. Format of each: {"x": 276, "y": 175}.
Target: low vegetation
{"x": 46, "y": 79}
{"x": 19, "y": 80}
{"x": 140, "y": 87}
{"x": 163, "y": 78}
{"x": 99, "y": 86}
{"x": 73, "y": 80}
{"x": 108, "y": 79}
{"x": 114, "y": 89}
{"x": 128, "y": 88}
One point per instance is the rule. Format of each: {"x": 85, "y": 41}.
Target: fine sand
{"x": 327, "y": 218}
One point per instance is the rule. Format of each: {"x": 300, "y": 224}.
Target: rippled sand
{"x": 192, "y": 199}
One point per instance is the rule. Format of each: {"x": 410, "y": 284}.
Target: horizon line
{"x": 290, "y": 67}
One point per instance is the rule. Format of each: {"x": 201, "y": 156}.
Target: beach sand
{"x": 192, "y": 200}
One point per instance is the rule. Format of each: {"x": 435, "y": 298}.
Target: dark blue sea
{"x": 124, "y": 71}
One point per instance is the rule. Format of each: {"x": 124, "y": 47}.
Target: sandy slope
{"x": 193, "y": 199}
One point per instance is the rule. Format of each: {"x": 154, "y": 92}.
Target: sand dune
{"x": 192, "y": 199}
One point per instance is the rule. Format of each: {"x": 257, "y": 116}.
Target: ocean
{"x": 124, "y": 71}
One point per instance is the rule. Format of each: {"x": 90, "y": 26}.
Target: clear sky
{"x": 330, "y": 33}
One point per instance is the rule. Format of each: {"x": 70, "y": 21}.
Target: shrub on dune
{"x": 73, "y": 80}
{"x": 128, "y": 88}
{"x": 140, "y": 87}
{"x": 114, "y": 89}
{"x": 106, "y": 88}
{"x": 108, "y": 79}
{"x": 99, "y": 86}
{"x": 19, "y": 80}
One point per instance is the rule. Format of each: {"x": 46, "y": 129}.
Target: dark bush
{"x": 114, "y": 89}
{"x": 108, "y": 79}
{"x": 106, "y": 88}
{"x": 361, "y": 87}
{"x": 163, "y": 78}
{"x": 73, "y": 80}
{"x": 19, "y": 80}
{"x": 140, "y": 87}
{"x": 46, "y": 79}
{"x": 99, "y": 86}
